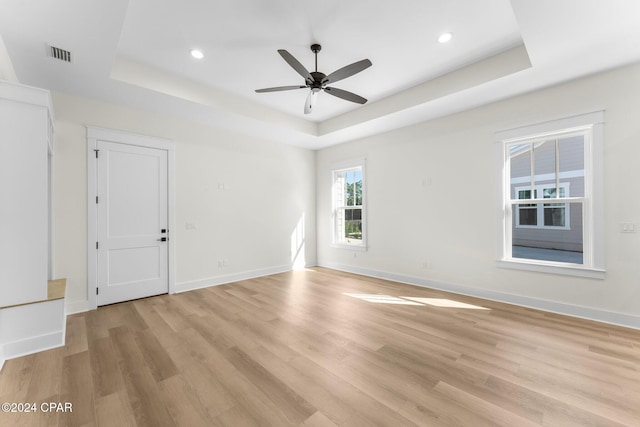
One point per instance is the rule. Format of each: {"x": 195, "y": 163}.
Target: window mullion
{"x": 533, "y": 174}
{"x": 557, "y": 147}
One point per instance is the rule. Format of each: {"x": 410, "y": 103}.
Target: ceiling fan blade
{"x": 279, "y": 88}
{"x": 347, "y": 71}
{"x": 346, "y": 95}
{"x": 296, "y": 65}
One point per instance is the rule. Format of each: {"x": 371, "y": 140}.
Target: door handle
{"x": 162, "y": 239}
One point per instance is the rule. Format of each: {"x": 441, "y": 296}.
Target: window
{"x": 349, "y": 205}
{"x": 552, "y": 201}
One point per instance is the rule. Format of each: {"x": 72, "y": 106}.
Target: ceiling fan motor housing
{"x": 317, "y": 79}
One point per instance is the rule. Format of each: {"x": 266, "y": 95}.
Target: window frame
{"x": 336, "y": 240}
{"x": 591, "y": 125}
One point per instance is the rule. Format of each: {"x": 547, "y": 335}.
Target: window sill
{"x": 541, "y": 227}
{"x": 552, "y": 268}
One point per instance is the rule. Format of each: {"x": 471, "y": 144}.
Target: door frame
{"x": 95, "y": 134}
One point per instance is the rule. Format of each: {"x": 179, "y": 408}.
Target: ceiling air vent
{"x": 58, "y": 53}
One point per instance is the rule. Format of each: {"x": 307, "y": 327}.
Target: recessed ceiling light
{"x": 197, "y": 53}
{"x": 445, "y": 37}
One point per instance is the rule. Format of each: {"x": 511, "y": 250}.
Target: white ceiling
{"x": 136, "y": 53}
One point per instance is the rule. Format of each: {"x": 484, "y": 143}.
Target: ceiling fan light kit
{"x": 317, "y": 81}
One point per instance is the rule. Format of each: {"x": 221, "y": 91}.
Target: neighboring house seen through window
{"x": 543, "y": 215}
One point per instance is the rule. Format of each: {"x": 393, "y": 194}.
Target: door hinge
{"x": 97, "y": 291}
{"x": 96, "y": 245}
{"x": 96, "y": 151}
{"x": 96, "y": 199}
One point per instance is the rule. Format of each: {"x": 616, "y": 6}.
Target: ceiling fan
{"x": 317, "y": 81}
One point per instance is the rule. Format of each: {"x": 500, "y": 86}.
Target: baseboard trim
{"x": 619, "y": 319}
{"x": 79, "y": 306}
{"x": 32, "y": 345}
{"x": 222, "y": 280}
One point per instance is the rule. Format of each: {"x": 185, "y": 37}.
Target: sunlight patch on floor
{"x": 443, "y": 302}
{"x": 436, "y": 302}
{"x": 381, "y": 299}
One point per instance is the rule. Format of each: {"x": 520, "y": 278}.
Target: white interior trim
{"x": 614, "y": 318}
{"x": 563, "y": 269}
{"x": 230, "y": 278}
{"x": 31, "y": 328}
{"x": 95, "y": 134}
{"x": 540, "y": 130}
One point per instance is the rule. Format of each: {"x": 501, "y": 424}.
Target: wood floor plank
{"x": 15, "y": 378}
{"x": 237, "y": 417}
{"x": 316, "y": 394}
{"x": 145, "y": 307}
{"x": 295, "y": 349}
{"x": 292, "y": 405}
{"x": 77, "y": 389}
{"x": 484, "y": 409}
{"x": 209, "y": 391}
{"x": 113, "y": 410}
{"x": 77, "y": 335}
{"x": 184, "y": 404}
{"x": 318, "y": 419}
{"x": 141, "y": 388}
{"x": 156, "y": 357}
{"x": 47, "y": 372}
{"x": 248, "y": 395}
{"x": 107, "y": 377}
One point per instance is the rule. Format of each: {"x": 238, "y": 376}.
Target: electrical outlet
{"x": 627, "y": 227}
{"x": 426, "y": 265}
{"x": 190, "y": 226}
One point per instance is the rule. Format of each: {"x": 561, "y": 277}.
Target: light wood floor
{"x": 293, "y": 349}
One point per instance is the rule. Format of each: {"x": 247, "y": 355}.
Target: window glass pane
{"x": 339, "y": 179}
{"x": 554, "y": 215}
{"x": 520, "y": 159}
{"x": 572, "y": 163}
{"x": 527, "y": 215}
{"x": 524, "y": 194}
{"x": 358, "y": 187}
{"x": 549, "y": 193}
{"x": 353, "y": 224}
{"x": 348, "y": 188}
{"x": 544, "y": 164}
{"x": 549, "y": 244}
{"x": 353, "y": 187}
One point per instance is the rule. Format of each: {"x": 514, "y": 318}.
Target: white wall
{"x": 433, "y": 195}
{"x": 245, "y": 197}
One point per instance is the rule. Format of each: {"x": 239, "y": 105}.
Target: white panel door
{"x": 132, "y": 222}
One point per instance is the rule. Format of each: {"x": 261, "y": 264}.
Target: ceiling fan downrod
{"x": 315, "y": 48}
